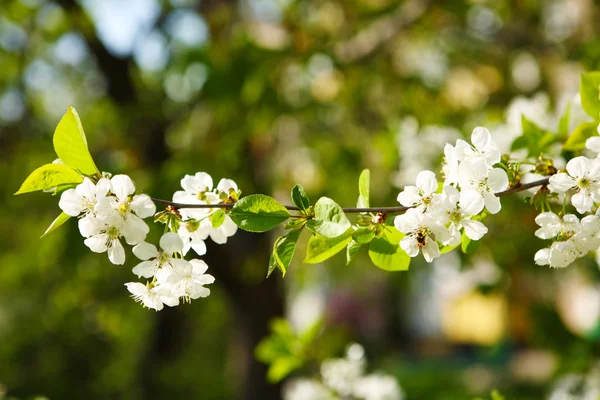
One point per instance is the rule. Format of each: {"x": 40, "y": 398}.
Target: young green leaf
{"x": 49, "y": 176}
{"x": 217, "y": 218}
{"x": 71, "y": 146}
{"x": 320, "y": 248}
{"x": 581, "y": 133}
{"x": 300, "y": 198}
{"x": 352, "y": 250}
{"x": 282, "y": 367}
{"x": 283, "y": 251}
{"x": 534, "y": 138}
{"x": 363, "y": 235}
{"x": 258, "y": 213}
{"x": 467, "y": 245}
{"x": 563, "y": 123}
{"x": 589, "y": 89}
{"x": 61, "y": 219}
{"x": 364, "y": 182}
{"x": 330, "y": 220}
{"x": 386, "y": 253}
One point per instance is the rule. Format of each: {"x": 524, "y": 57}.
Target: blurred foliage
{"x": 271, "y": 93}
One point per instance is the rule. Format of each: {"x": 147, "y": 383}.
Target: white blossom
{"x": 460, "y": 208}
{"x": 103, "y": 235}
{"x": 377, "y": 387}
{"x": 573, "y": 238}
{"x": 188, "y": 280}
{"x": 422, "y": 233}
{"x": 152, "y": 296}
{"x": 475, "y": 174}
{"x": 306, "y": 389}
{"x": 421, "y": 195}
{"x": 583, "y": 175}
{"x": 85, "y": 198}
{"x": 153, "y": 259}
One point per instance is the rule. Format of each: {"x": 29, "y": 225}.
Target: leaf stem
{"x": 355, "y": 210}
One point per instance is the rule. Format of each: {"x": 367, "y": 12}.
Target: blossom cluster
{"x": 439, "y": 214}
{"x": 109, "y": 211}
{"x": 571, "y": 237}
{"x": 344, "y": 378}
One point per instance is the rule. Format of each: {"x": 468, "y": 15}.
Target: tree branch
{"x": 384, "y": 210}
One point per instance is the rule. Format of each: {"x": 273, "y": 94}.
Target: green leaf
{"x": 295, "y": 223}
{"x": 563, "y": 123}
{"x": 217, "y": 218}
{"x": 49, "y": 176}
{"x": 467, "y": 245}
{"x": 581, "y": 133}
{"x": 70, "y": 144}
{"x": 386, "y": 253}
{"x": 589, "y": 89}
{"x": 283, "y": 251}
{"x": 61, "y": 219}
{"x": 311, "y": 333}
{"x": 352, "y": 250}
{"x": 363, "y": 235}
{"x": 282, "y": 367}
{"x": 258, "y": 213}
{"x": 300, "y": 198}
{"x": 534, "y": 138}
{"x": 330, "y": 220}
{"x": 364, "y": 182}
{"x": 320, "y": 248}
{"x": 447, "y": 249}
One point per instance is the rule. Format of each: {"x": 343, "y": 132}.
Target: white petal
{"x": 409, "y": 221}
{"x": 122, "y": 186}
{"x": 474, "y": 229}
{"x": 582, "y": 202}
{"x": 147, "y": 269}
{"x": 492, "y": 202}
{"x": 170, "y": 300}
{"x": 137, "y": 289}
{"x": 431, "y": 250}
{"x": 102, "y": 188}
{"x": 171, "y": 243}
{"x": 579, "y": 166}
{"x": 218, "y": 236}
{"x": 134, "y": 230}
{"x": 225, "y": 185}
{"x": 471, "y": 202}
{"x": 199, "y": 266}
{"x": 145, "y": 251}
{"x": 97, "y": 243}
{"x": 542, "y": 257}
{"x": 547, "y": 218}
{"x": 198, "y": 246}
{"x": 71, "y": 203}
{"x": 452, "y": 194}
{"x": 409, "y": 197}
{"x": 116, "y": 252}
{"x": 143, "y": 206}
{"x": 427, "y": 182}
{"x": 409, "y": 245}
{"x": 86, "y": 188}
{"x": 561, "y": 182}
{"x": 199, "y": 292}
{"x": 89, "y": 226}
{"x": 593, "y": 144}
{"x": 497, "y": 180}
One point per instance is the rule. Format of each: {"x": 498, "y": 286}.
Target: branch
{"x": 384, "y": 210}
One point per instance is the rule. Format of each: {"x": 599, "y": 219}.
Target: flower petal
{"x": 71, "y": 203}
{"x": 582, "y": 202}
{"x": 147, "y": 269}
{"x": 431, "y": 250}
{"x": 143, "y": 206}
{"x": 427, "y": 182}
{"x": 497, "y": 180}
{"x": 409, "y": 197}
{"x": 145, "y": 251}
{"x": 171, "y": 243}
{"x": 474, "y": 229}
{"x": 492, "y": 202}
{"x": 471, "y": 202}
{"x": 579, "y": 166}
{"x": 116, "y": 252}
{"x": 561, "y": 182}
{"x": 122, "y": 186}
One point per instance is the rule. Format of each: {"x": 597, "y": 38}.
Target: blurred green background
{"x": 271, "y": 93}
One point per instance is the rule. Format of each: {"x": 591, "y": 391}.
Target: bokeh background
{"x": 271, "y": 93}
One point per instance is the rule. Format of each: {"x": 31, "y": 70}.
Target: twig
{"x": 384, "y": 210}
